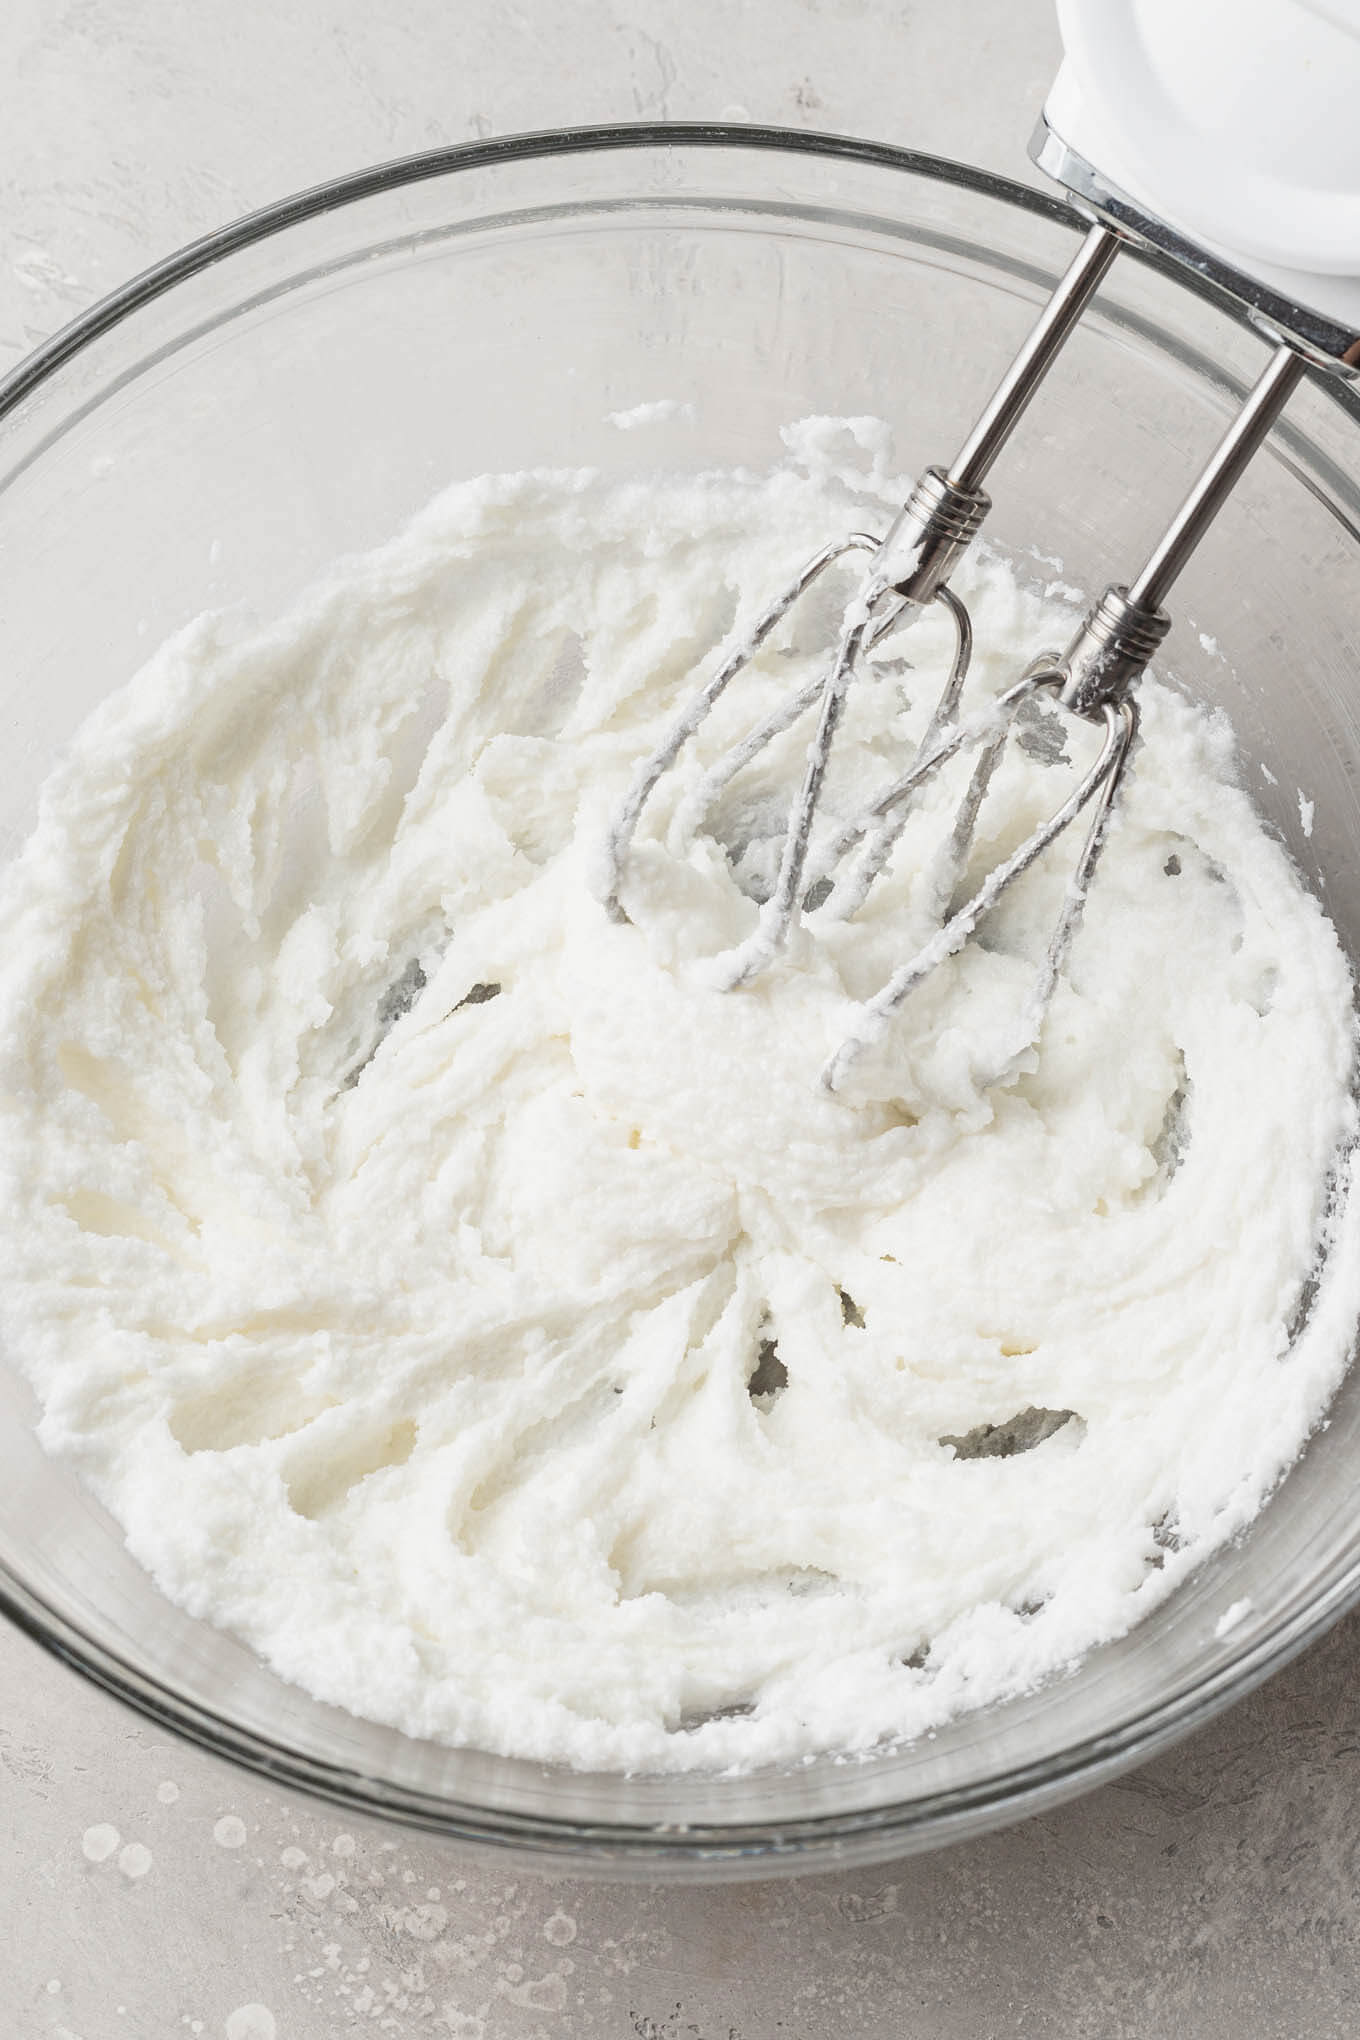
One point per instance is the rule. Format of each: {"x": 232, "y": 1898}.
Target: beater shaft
{"x": 945, "y": 509}
{"x": 1121, "y": 632}
{"x": 1269, "y": 395}
{"x": 1074, "y": 292}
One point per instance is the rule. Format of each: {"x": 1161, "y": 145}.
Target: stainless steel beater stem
{"x": 944, "y": 511}
{"x": 1012, "y": 395}
{"x": 1123, "y": 630}
{"x": 1272, "y": 391}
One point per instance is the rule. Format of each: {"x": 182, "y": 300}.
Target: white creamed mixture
{"x": 457, "y": 1298}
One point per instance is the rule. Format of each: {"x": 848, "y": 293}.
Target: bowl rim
{"x": 751, "y": 1848}
{"x": 147, "y": 285}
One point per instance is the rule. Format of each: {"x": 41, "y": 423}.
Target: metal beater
{"x": 1112, "y": 88}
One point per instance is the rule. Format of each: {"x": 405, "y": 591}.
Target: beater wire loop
{"x": 879, "y": 825}
{"x": 624, "y": 825}
{"x": 1100, "y": 784}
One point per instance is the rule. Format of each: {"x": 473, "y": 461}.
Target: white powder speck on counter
{"x": 229, "y": 1832}
{"x": 167, "y": 1792}
{"x": 1307, "y": 809}
{"x": 661, "y": 412}
{"x": 99, "y": 1842}
{"x": 497, "y": 1328}
{"x": 251, "y": 2022}
{"x": 134, "y": 1860}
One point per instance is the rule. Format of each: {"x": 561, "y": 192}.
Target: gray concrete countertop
{"x": 149, "y": 1891}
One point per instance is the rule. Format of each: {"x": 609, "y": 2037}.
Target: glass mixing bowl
{"x": 295, "y": 387}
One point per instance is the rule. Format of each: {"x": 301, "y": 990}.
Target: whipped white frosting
{"x": 455, "y": 1296}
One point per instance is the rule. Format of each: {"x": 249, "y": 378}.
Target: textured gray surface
{"x": 1211, "y": 1894}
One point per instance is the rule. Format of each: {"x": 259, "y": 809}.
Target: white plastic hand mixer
{"x": 1226, "y": 136}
